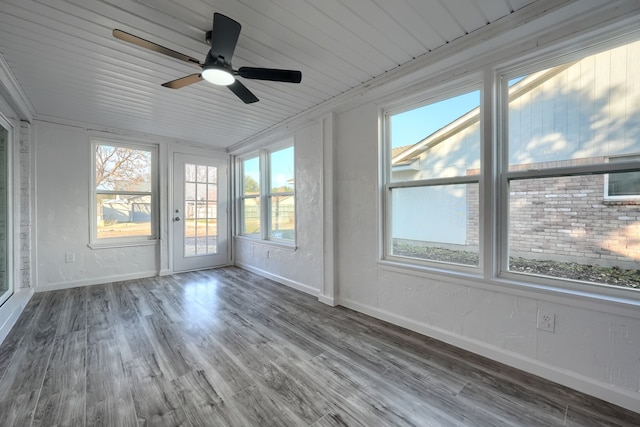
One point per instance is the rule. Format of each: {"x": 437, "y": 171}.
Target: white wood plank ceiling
{"x": 70, "y": 67}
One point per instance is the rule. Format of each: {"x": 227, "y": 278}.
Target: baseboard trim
{"x": 11, "y": 310}
{"x": 623, "y": 398}
{"x": 97, "y": 281}
{"x": 282, "y": 280}
{"x": 327, "y": 300}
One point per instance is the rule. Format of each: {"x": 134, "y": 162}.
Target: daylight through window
{"x": 268, "y": 196}
{"x": 563, "y": 197}
{"x": 124, "y": 192}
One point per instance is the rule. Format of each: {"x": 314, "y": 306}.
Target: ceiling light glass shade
{"x": 218, "y": 76}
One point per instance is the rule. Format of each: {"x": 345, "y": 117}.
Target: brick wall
{"x": 567, "y": 219}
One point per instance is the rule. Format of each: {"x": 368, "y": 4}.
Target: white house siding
{"x": 418, "y": 213}
{"x": 588, "y": 110}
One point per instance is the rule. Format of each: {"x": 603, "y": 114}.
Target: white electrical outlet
{"x": 546, "y": 321}
{"x": 70, "y": 257}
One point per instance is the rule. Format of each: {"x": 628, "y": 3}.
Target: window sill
{"x": 112, "y": 245}
{"x": 612, "y": 300}
{"x": 271, "y": 243}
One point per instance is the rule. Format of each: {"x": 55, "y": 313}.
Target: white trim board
{"x": 12, "y": 309}
{"x": 284, "y": 281}
{"x": 96, "y": 281}
{"x": 557, "y": 375}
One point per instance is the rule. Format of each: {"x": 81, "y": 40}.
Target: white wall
{"x": 591, "y": 349}
{"x": 63, "y": 177}
{"x": 301, "y": 267}
{"x": 596, "y": 343}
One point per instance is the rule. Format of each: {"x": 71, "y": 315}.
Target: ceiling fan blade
{"x": 224, "y": 37}
{"x": 183, "y": 81}
{"x": 242, "y": 92}
{"x": 119, "y": 34}
{"x": 276, "y": 75}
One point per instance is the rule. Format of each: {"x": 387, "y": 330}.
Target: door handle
{"x": 176, "y": 218}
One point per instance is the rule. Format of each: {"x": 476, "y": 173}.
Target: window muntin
{"x": 124, "y": 192}
{"x": 568, "y": 126}
{"x": 562, "y": 196}
{"x": 251, "y": 197}
{"x": 433, "y": 176}
{"x": 268, "y": 195}
{"x": 282, "y": 214}
{"x": 200, "y": 210}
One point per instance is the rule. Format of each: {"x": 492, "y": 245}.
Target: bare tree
{"x": 121, "y": 168}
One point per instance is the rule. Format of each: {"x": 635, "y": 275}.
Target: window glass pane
{"x": 123, "y": 169}
{"x": 189, "y": 191}
{"x": 189, "y": 246}
{"x": 251, "y": 216}
{"x": 251, "y": 178}
{"x": 212, "y": 175}
{"x": 212, "y": 192}
{"x": 283, "y": 217}
{"x": 437, "y": 140}
{"x": 282, "y": 166}
{"x": 438, "y": 223}
{"x": 201, "y": 192}
{"x": 624, "y": 184}
{"x": 189, "y": 172}
{"x": 201, "y": 173}
{"x": 123, "y": 215}
{"x": 576, "y": 113}
{"x": 564, "y": 227}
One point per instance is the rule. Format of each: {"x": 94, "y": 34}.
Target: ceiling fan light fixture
{"x": 218, "y": 76}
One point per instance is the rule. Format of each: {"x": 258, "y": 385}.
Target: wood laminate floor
{"x": 228, "y": 348}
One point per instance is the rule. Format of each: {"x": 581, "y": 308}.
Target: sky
{"x": 412, "y": 126}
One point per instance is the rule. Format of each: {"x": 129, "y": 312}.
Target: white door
{"x": 199, "y": 212}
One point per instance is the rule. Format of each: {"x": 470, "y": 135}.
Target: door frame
{"x": 12, "y": 260}
{"x": 172, "y": 238}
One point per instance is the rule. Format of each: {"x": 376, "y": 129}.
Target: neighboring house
{"x": 556, "y": 113}
{"x": 126, "y": 209}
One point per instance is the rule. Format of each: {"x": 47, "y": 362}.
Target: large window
{"x": 268, "y": 195}
{"x": 433, "y": 181}
{"x": 560, "y": 205}
{"x": 571, "y": 171}
{"x": 123, "y": 192}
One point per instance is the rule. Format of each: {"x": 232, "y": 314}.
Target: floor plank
{"x": 226, "y": 347}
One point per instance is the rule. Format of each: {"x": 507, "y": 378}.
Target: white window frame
{"x": 619, "y": 159}
{"x": 265, "y": 195}
{"x": 441, "y": 93}
{"x": 495, "y": 178}
{"x": 98, "y": 243}
{"x": 502, "y": 76}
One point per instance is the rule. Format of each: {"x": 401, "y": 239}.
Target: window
{"x": 624, "y": 185}
{"x": 433, "y": 181}
{"x": 250, "y": 197}
{"x": 572, "y": 132}
{"x": 562, "y": 201}
{"x": 123, "y": 192}
{"x": 271, "y": 203}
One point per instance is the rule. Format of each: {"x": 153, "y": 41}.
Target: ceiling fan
{"x": 217, "y": 65}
